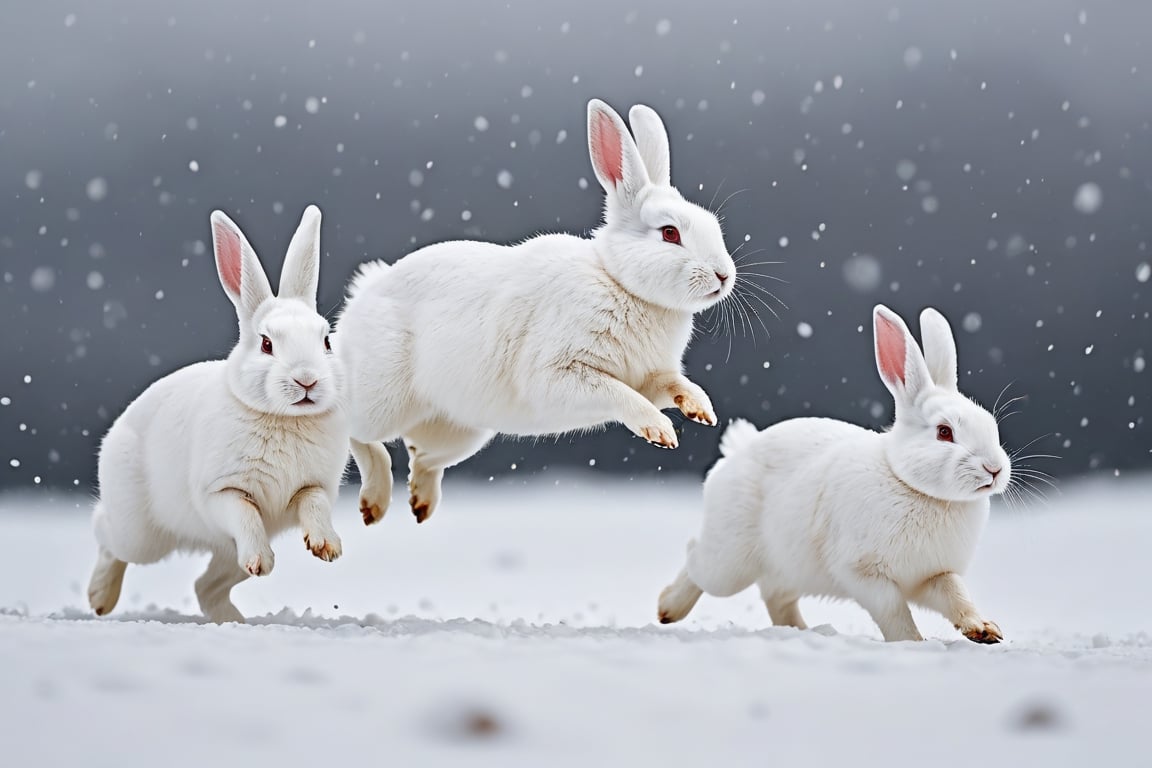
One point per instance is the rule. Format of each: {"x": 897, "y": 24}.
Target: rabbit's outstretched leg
{"x": 783, "y": 609}
{"x": 589, "y": 390}
{"x": 946, "y": 594}
{"x": 677, "y": 599}
{"x": 433, "y": 446}
{"x": 107, "y": 578}
{"x": 214, "y": 587}
{"x": 671, "y": 389}
{"x": 887, "y": 606}
{"x": 375, "y": 465}
{"x": 234, "y": 512}
{"x": 313, "y": 508}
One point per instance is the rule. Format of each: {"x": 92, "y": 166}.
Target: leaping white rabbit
{"x": 221, "y": 456}
{"x": 461, "y": 340}
{"x": 821, "y": 507}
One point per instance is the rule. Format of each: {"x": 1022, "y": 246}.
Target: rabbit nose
{"x": 306, "y": 386}
{"x": 721, "y": 278}
{"x": 993, "y": 470}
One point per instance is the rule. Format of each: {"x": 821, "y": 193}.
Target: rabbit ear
{"x": 652, "y": 141}
{"x": 939, "y": 348}
{"x": 300, "y": 276}
{"x": 615, "y": 157}
{"x": 898, "y": 359}
{"x": 240, "y": 271}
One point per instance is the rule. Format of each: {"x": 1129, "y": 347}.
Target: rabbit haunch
{"x": 819, "y": 507}
{"x": 461, "y": 340}
{"x": 221, "y": 456}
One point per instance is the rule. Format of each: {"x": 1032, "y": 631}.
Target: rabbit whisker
{"x": 742, "y": 313}
{"x": 1028, "y": 445}
{"x": 1008, "y": 403}
{"x": 747, "y": 298}
{"x": 753, "y": 297}
{"x": 725, "y": 201}
{"x": 716, "y": 192}
{"x": 1033, "y": 477}
{"x": 749, "y": 284}
{"x": 996, "y": 405}
{"x": 744, "y": 273}
{"x": 1036, "y": 456}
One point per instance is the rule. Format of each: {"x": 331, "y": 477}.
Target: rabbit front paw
{"x": 660, "y": 436}
{"x": 424, "y": 491}
{"x": 325, "y": 546}
{"x": 258, "y": 563}
{"x": 372, "y": 513}
{"x": 981, "y": 631}
{"x": 374, "y": 500}
{"x": 699, "y": 411}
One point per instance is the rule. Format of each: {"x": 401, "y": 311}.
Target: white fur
{"x": 461, "y": 340}
{"x": 821, "y": 507}
{"x": 221, "y": 456}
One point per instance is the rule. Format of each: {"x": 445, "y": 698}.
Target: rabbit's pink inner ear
{"x": 229, "y": 255}
{"x": 609, "y": 152}
{"x": 891, "y": 351}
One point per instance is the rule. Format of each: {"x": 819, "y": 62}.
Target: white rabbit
{"x": 817, "y": 506}
{"x": 220, "y": 456}
{"x": 461, "y": 340}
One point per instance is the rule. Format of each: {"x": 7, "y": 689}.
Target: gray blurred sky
{"x": 989, "y": 158}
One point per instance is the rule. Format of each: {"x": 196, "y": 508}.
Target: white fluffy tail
{"x": 737, "y": 437}
{"x": 368, "y": 273}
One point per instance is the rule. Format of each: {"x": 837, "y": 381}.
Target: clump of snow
{"x": 863, "y": 272}
{"x": 97, "y": 189}
{"x": 504, "y": 179}
{"x": 1089, "y": 197}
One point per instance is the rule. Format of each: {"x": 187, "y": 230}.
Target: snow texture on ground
{"x": 515, "y": 627}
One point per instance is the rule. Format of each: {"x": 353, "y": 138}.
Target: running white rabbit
{"x": 220, "y": 456}
{"x": 821, "y": 507}
{"x": 461, "y": 340}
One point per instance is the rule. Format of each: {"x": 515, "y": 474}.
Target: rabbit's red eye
{"x": 671, "y": 235}
{"x": 944, "y": 432}
{"x": 327, "y": 344}
{"x": 266, "y": 345}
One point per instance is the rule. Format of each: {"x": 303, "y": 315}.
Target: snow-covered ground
{"x": 515, "y": 627}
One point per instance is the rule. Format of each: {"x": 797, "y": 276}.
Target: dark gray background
{"x": 936, "y": 150}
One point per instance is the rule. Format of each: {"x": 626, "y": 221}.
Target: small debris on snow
{"x": 1038, "y": 716}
